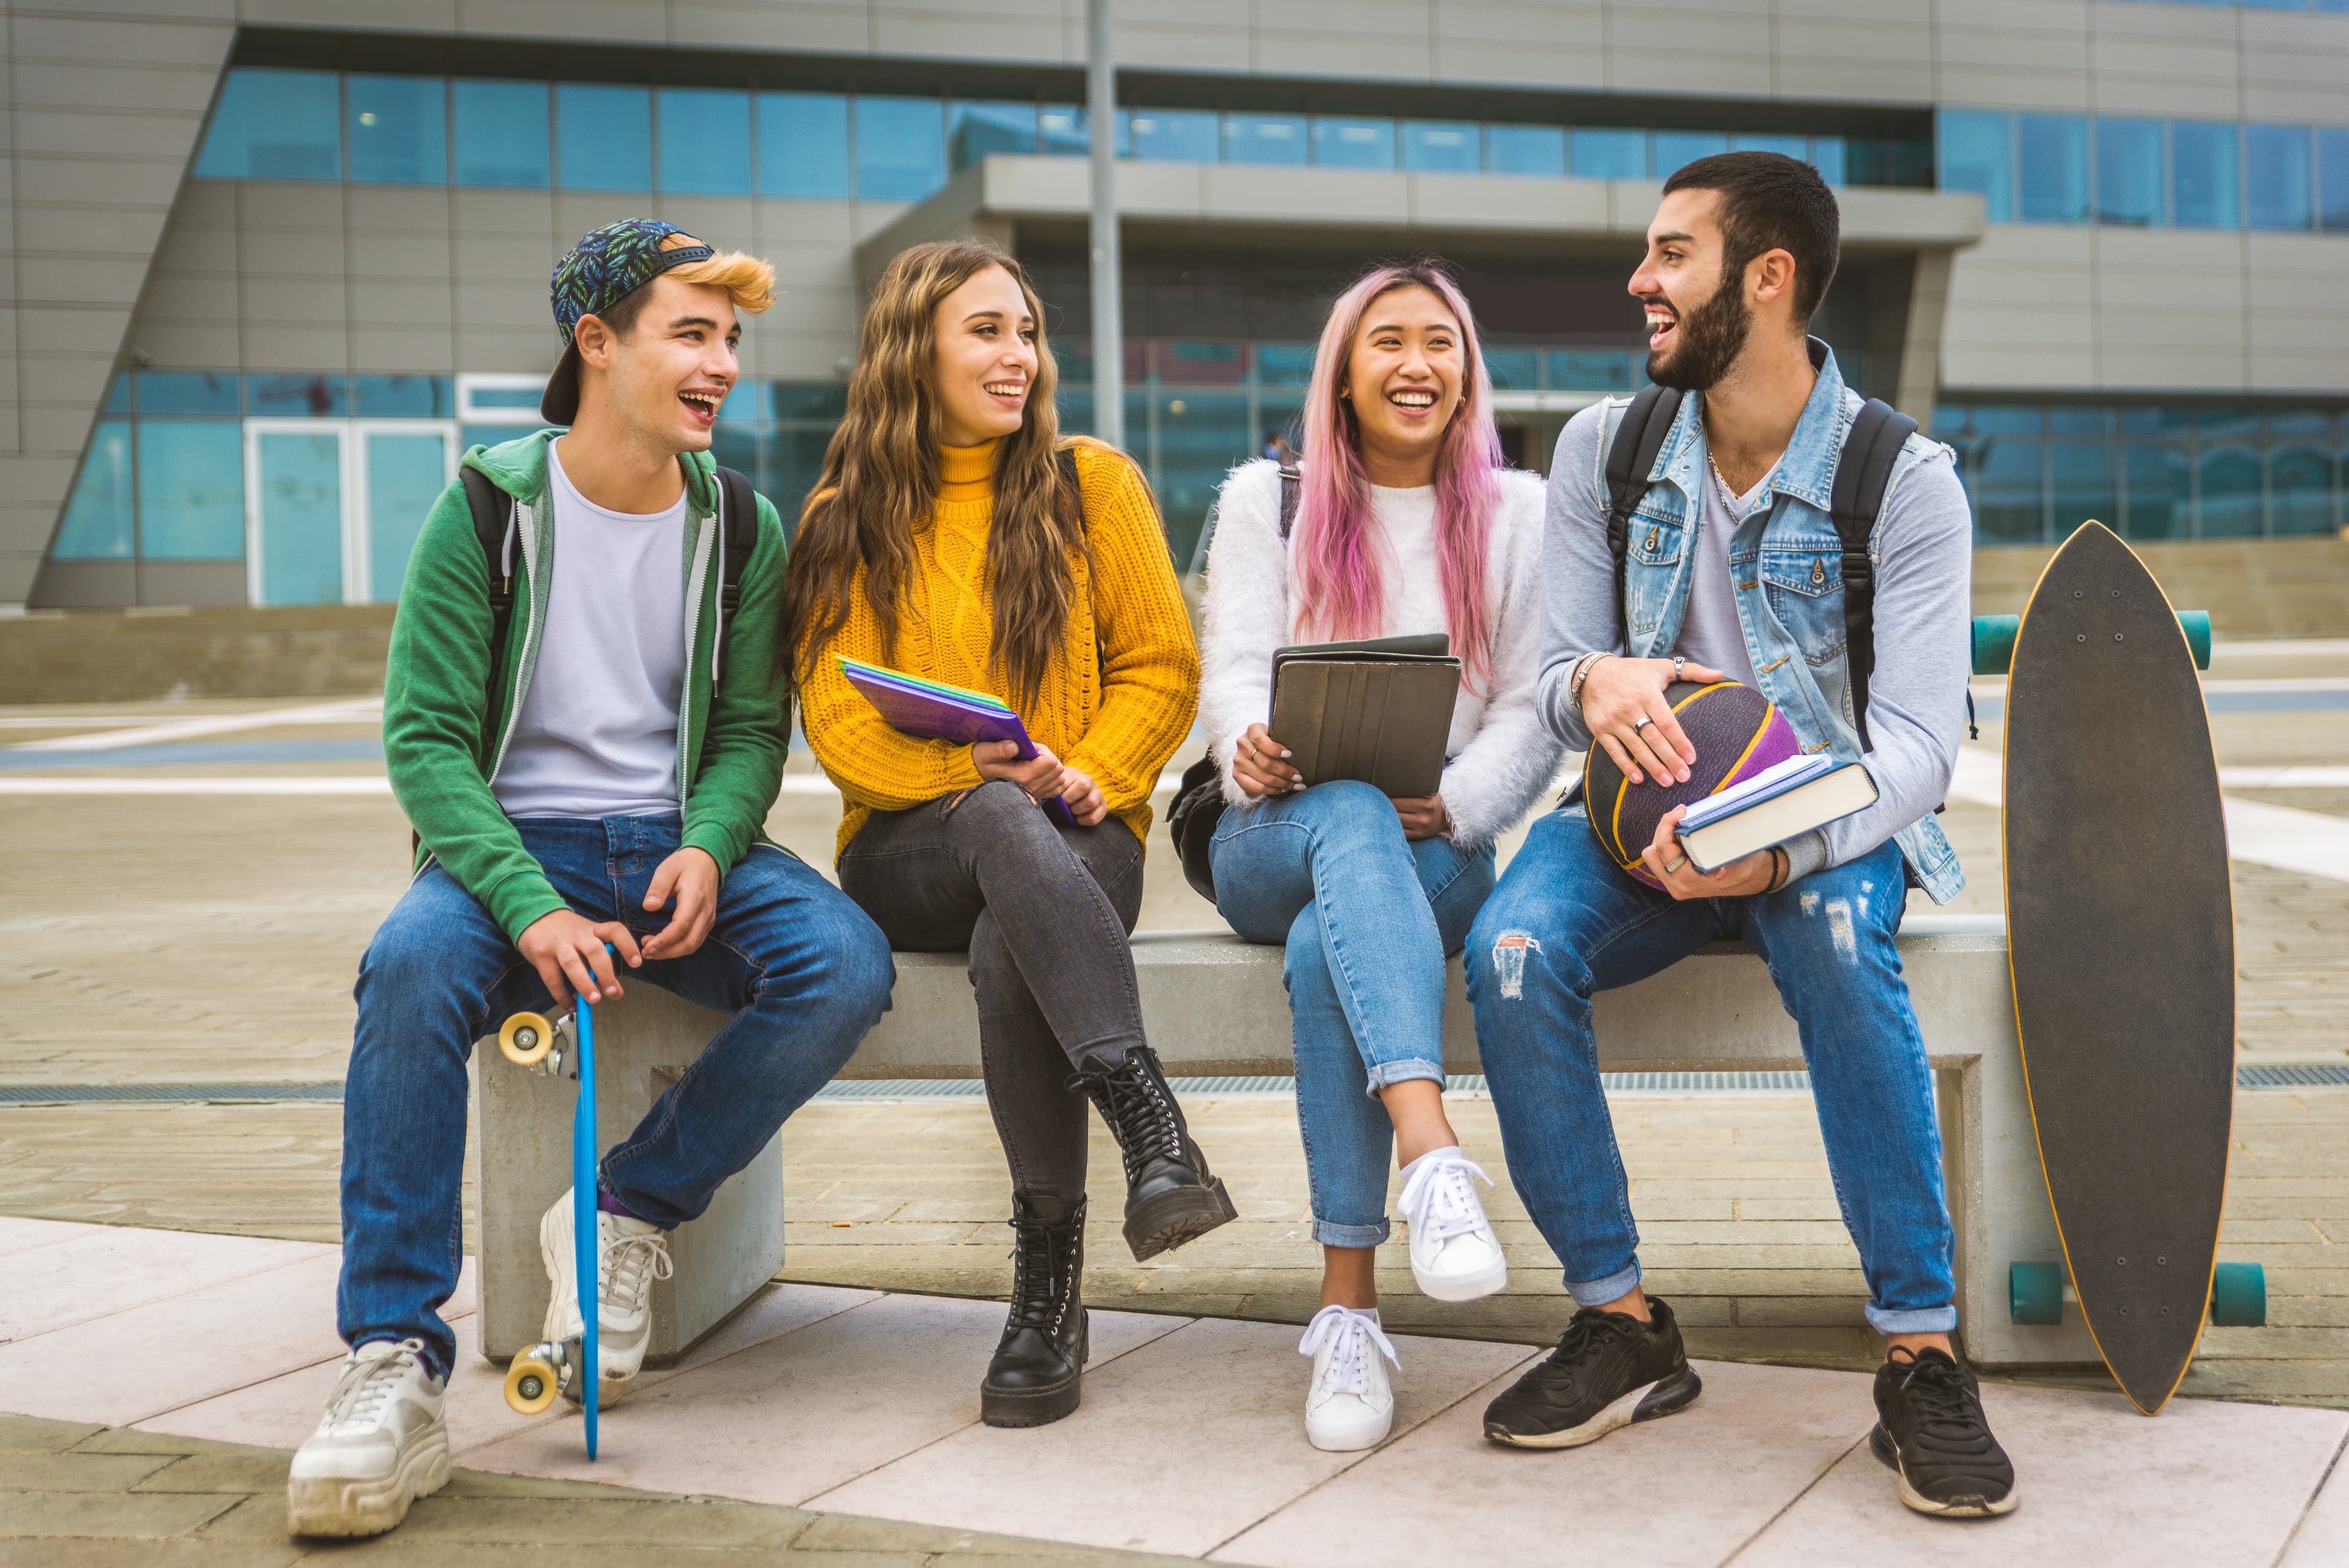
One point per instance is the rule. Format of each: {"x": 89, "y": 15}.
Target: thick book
{"x": 1774, "y": 805}
{"x": 932, "y": 710}
{"x": 1378, "y": 711}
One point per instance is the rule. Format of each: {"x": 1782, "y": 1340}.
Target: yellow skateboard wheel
{"x": 532, "y": 1383}
{"x": 526, "y": 1038}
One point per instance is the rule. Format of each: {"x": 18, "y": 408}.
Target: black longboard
{"x": 2120, "y": 924}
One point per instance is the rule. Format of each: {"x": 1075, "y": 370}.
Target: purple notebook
{"x": 929, "y": 711}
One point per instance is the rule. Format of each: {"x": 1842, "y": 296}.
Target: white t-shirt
{"x": 1710, "y": 632}
{"x": 597, "y": 733}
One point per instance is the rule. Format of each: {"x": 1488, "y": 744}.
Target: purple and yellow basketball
{"x": 1736, "y": 731}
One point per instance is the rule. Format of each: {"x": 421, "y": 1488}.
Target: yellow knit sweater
{"x": 1117, "y": 715}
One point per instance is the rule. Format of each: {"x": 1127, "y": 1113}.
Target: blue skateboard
{"x": 553, "y": 1367}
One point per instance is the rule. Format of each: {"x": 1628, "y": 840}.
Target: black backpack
{"x": 1199, "y": 799}
{"x": 1862, "y": 470}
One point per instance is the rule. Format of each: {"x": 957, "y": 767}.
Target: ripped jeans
{"x": 1565, "y": 924}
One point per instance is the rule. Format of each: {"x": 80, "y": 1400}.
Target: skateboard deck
{"x": 2120, "y": 922}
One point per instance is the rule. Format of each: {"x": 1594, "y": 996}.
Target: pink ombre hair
{"x": 1341, "y": 589}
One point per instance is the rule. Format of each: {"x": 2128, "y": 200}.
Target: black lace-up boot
{"x": 1170, "y": 1196}
{"x": 1037, "y": 1372}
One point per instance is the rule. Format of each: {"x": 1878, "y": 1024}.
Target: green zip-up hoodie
{"x": 441, "y": 753}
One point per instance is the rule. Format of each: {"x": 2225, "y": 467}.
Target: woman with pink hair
{"x": 1405, "y": 522}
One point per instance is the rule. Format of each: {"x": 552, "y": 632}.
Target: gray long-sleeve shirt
{"x": 1916, "y": 692}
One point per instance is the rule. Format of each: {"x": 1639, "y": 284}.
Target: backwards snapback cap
{"x": 605, "y": 267}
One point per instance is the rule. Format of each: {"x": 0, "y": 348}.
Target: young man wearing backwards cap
{"x": 595, "y": 780}
{"x": 1733, "y": 568}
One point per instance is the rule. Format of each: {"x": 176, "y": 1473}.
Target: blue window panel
{"x": 400, "y": 397}
{"x": 809, "y": 399}
{"x": 2129, "y": 181}
{"x": 399, "y": 130}
{"x": 976, "y": 129}
{"x": 1283, "y": 364}
{"x": 1827, "y": 158}
{"x": 2067, "y": 420}
{"x": 2228, "y": 506}
{"x": 803, "y": 145}
{"x": 1172, "y": 135}
{"x": 1976, "y": 152}
{"x": 901, "y": 153}
{"x": 1518, "y": 369}
{"x": 2202, "y": 184}
{"x": 2009, "y": 501}
{"x": 275, "y": 125}
{"x": 705, "y": 141}
{"x": 1795, "y": 147}
{"x": 2278, "y": 177}
{"x": 2081, "y": 484}
{"x": 1062, "y": 131}
{"x": 1676, "y": 149}
{"x": 2333, "y": 179}
{"x": 1534, "y": 150}
{"x": 1609, "y": 154}
{"x": 603, "y": 137}
{"x": 185, "y": 392}
{"x": 296, "y": 397}
{"x": 99, "y": 517}
{"x": 503, "y": 135}
{"x": 191, "y": 489}
{"x": 118, "y": 395}
{"x": 2304, "y": 484}
{"x": 1264, "y": 138}
{"x": 2008, "y": 418}
{"x": 1441, "y": 146}
{"x": 1339, "y": 144}
{"x": 1587, "y": 370}
{"x": 2052, "y": 168}
{"x": 2159, "y": 487}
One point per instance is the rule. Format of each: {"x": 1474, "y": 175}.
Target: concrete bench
{"x": 1206, "y": 996}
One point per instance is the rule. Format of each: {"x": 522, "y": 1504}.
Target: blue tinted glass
{"x": 1587, "y": 370}
{"x": 2158, "y": 485}
{"x": 705, "y": 141}
{"x": 1977, "y": 155}
{"x": 2228, "y": 504}
{"x": 2278, "y": 177}
{"x": 502, "y": 135}
{"x": 1437, "y": 144}
{"x": 1177, "y": 135}
{"x": 808, "y": 399}
{"x": 191, "y": 489}
{"x": 1611, "y": 154}
{"x": 2300, "y": 485}
{"x": 118, "y": 395}
{"x": 976, "y": 129}
{"x": 275, "y": 125}
{"x": 1353, "y": 143}
{"x": 1512, "y": 367}
{"x": 1949, "y": 421}
{"x": 98, "y": 517}
{"x": 2004, "y": 419}
{"x": 400, "y": 397}
{"x": 2081, "y": 484}
{"x": 603, "y": 137}
{"x": 1063, "y": 131}
{"x": 1264, "y": 138}
{"x": 901, "y": 153}
{"x": 1827, "y": 158}
{"x": 1795, "y": 147}
{"x": 1283, "y": 364}
{"x": 2128, "y": 171}
{"x": 2203, "y": 175}
{"x": 399, "y": 130}
{"x": 1535, "y": 150}
{"x": 1677, "y": 148}
{"x": 2052, "y": 168}
{"x": 2069, "y": 421}
{"x": 2003, "y": 475}
{"x": 185, "y": 392}
{"x": 803, "y": 145}
{"x": 316, "y": 397}
{"x": 2333, "y": 179}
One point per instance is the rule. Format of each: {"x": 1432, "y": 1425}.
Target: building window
{"x": 976, "y": 129}
{"x": 1264, "y": 138}
{"x": 1435, "y": 146}
{"x": 2278, "y": 177}
{"x": 1353, "y": 143}
{"x": 399, "y": 130}
{"x": 901, "y": 153}
{"x": 503, "y": 135}
{"x": 803, "y": 145}
{"x": 1174, "y": 135}
{"x": 1609, "y": 153}
{"x": 603, "y": 137}
{"x": 2203, "y": 175}
{"x": 1538, "y": 151}
{"x": 191, "y": 489}
{"x": 99, "y": 521}
{"x": 2128, "y": 171}
{"x": 275, "y": 125}
{"x": 1977, "y": 155}
{"x": 184, "y": 392}
{"x": 704, "y": 142}
{"x": 2052, "y": 168}
{"x": 1676, "y": 149}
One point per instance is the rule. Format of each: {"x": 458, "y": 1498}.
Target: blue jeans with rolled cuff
{"x": 802, "y": 969}
{"x": 1566, "y": 923}
{"x": 1367, "y": 918}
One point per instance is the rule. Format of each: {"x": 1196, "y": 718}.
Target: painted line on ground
{"x": 349, "y": 710}
{"x": 348, "y": 783}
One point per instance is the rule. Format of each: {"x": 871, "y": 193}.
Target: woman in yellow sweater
{"x": 955, "y": 536}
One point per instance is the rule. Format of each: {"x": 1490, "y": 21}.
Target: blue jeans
{"x": 1566, "y": 924}
{"x": 801, "y": 969}
{"x": 1367, "y": 917}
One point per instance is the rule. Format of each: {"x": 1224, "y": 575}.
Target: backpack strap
{"x": 737, "y": 536}
{"x": 1293, "y": 490}
{"x": 493, "y": 515}
{"x": 1630, "y": 458}
{"x": 1863, "y": 469}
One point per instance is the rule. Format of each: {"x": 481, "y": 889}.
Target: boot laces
{"x": 1039, "y": 1252}
{"x": 1440, "y": 1198}
{"x": 630, "y": 1265}
{"x": 365, "y": 1389}
{"x": 1351, "y": 1336}
{"x": 1138, "y": 1110}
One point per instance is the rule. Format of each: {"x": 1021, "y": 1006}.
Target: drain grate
{"x": 72, "y": 1094}
{"x": 2319, "y": 1075}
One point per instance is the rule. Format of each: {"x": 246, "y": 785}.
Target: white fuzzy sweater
{"x": 1501, "y": 754}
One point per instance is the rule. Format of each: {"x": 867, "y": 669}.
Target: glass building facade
{"x": 2146, "y": 173}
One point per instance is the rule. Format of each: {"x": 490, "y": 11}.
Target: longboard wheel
{"x": 2034, "y": 1294}
{"x": 526, "y": 1038}
{"x": 534, "y": 1380}
{"x": 2239, "y": 1296}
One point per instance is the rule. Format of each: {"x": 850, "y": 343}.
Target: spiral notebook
{"x": 932, "y": 710}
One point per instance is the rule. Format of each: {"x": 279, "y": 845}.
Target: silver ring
{"x": 1674, "y": 864}
{"x": 1641, "y": 723}
{"x": 1680, "y": 662}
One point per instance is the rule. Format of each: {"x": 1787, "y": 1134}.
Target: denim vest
{"x": 1786, "y": 563}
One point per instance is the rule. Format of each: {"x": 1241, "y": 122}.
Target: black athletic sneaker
{"x": 1930, "y": 1428}
{"x": 1609, "y": 1370}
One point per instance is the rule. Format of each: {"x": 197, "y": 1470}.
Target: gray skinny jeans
{"x": 1045, "y": 912}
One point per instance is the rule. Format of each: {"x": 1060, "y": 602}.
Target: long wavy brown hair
{"x": 880, "y": 483}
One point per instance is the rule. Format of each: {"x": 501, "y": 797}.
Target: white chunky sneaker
{"x": 630, "y": 1255}
{"x": 382, "y": 1444}
{"x": 1454, "y": 1256}
{"x": 1351, "y": 1405}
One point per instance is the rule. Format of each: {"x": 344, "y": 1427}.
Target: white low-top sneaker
{"x": 630, "y": 1255}
{"x": 382, "y": 1444}
{"x": 1454, "y": 1256}
{"x": 1351, "y": 1405}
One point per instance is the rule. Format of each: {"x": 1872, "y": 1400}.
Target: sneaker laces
{"x": 1584, "y": 1329}
{"x": 1350, "y": 1334}
{"x": 1439, "y": 1201}
{"x": 631, "y": 1264}
{"x": 366, "y": 1385}
{"x": 1945, "y": 1407}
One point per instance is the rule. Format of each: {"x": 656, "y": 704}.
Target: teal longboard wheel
{"x": 2034, "y": 1294}
{"x": 2239, "y": 1296}
{"x": 1994, "y": 641}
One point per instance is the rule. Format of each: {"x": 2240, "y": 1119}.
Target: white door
{"x": 400, "y": 467}
{"x": 332, "y": 507}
